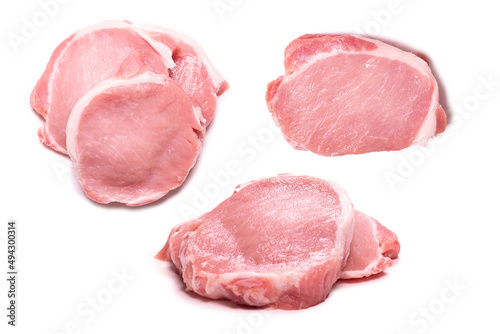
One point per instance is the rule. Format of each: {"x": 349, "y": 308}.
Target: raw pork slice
{"x": 279, "y": 242}
{"x": 345, "y": 94}
{"x": 372, "y": 248}
{"x": 83, "y": 60}
{"x": 134, "y": 137}
{"x": 193, "y": 71}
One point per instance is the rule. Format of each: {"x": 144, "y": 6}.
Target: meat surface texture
{"x": 90, "y": 56}
{"x": 372, "y": 248}
{"x": 278, "y": 242}
{"x": 344, "y": 94}
{"x": 192, "y": 71}
{"x": 122, "y": 133}
{"x": 95, "y": 53}
{"x": 130, "y": 106}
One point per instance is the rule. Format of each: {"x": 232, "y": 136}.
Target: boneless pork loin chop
{"x": 279, "y": 242}
{"x": 134, "y": 137}
{"x": 130, "y": 106}
{"x": 346, "y": 94}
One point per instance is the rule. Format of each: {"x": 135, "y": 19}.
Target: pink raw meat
{"x": 95, "y": 53}
{"x": 86, "y": 58}
{"x": 279, "y": 242}
{"x": 372, "y": 248}
{"x": 130, "y": 106}
{"x": 346, "y": 94}
{"x": 133, "y": 137}
{"x": 193, "y": 71}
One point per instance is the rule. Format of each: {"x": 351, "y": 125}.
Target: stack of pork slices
{"x": 130, "y": 106}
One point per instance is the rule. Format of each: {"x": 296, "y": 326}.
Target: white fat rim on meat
{"x": 216, "y": 283}
{"x": 83, "y": 102}
{"x": 384, "y": 50}
{"x": 369, "y": 269}
{"x": 217, "y": 79}
{"x": 109, "y": 24}
{"x": 164, "y": 51}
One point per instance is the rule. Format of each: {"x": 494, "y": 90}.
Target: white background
{"x": 444, "y": 209}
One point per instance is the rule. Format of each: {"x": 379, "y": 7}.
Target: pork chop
{"x": 134, "y": 137}
{"x": 345, "y": 94}
{"x": 372, "y": 249}
{"x": 279, "y": 242}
